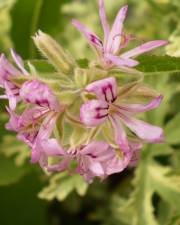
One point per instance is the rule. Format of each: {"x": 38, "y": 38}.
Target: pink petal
{"x": 13, "y": 122}
{"x": 105, "y": 89}
{"x": 95, "y": 168}
{"x": 91, "y": 37}
{"x": 137, "y": 108}
{"x": 37, "y": 92}
{"x": 61, "y": 166}
{"x": 116, "y": 60}
{"x": 102, "y": 160}
{"x": 19, "y": 62}
{"x": 136, "y": 150}
{"x": 41, "y": 148}
{"x": 6, "y": 69}
{"x": 120, "y": 134}
{"x": 144, "y": 48}
{"x": 115, "y": 36}
{"x": 104, "y": 20}
{"x": 31, "y": 116}
{"x": 93, "y": 160}
{"x": 94, "y": 148}
{"x": 116, "y": 164}
{"x": 12, "y": 94}
{"x": 52, "y": 148}
{"x": 93, "y": 113}
{"x": 47, "y": 126}
{"x": 143, "y": 130}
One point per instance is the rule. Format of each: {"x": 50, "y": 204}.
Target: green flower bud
{"x": 61, "y": 60}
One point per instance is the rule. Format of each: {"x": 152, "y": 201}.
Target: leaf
{"x": 160, "y": 150}
{"x": 150, "y": 178}
{"x": 9, "y": 172}
{"x": 172, "y": 130}
{"x": 10, "y": 146}
{"x": 138, "y": 210}
{"x": 172, "y": 48}
{"x": 156, "y": 65}
{"x": 61, "y": 185}
{"x": 166, "y": 183}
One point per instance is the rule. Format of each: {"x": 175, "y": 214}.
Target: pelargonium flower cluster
{"x": 83, "y": 120}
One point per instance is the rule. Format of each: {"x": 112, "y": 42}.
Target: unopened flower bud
{"x": 62, "y": 60}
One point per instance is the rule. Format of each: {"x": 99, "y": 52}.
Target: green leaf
{"x": 156, "y": 65}
{"x": 166, "y": 183}
{"x": 138, "y": 210}
{"x": 61, "y": 185}
{"x": 172, "y": 48}
{"x": 150, "y": 178}
{"x": 10, "y": 146}
{"x": 172, "y": 130}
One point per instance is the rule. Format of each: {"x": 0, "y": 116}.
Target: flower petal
{"x": 47, "y": 126}
{"x": 52, "y": 148}
{"x": 144, "y": 48}
{"x": 120, "y": 134}
{"x": 31, "y": 116}
{"x": 13, "y": 122}
{"x": 104, "y": 20}
{"x": 39, "y": 150}
{"x": 102, "y": 160}
{"x": 117, "y": 164}
{"x": 94, "y": 149}
{"x": 136, "y": 147}
{"x": 60, "y": 166}
{"x": 143, "y": 130}
{"x": 91, "y": 37}
{"x": 106, "y": 89}
{"x": 19, "y": 62}
{"x": 12, "y": 94}
{"x": 115, "y": 36}
{"x": 116, "y": 60}
{"x": 6, "y": 69}
{"x": 93, "y": 113}
{"x": 137, "y": 108}
{"x": 37, "y": 92}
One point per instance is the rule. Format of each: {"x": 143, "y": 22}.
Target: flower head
{"x": 97, "y": 159}
{"x": 109, "y": 50}
{"x": 108, "y": 107}
{"x": 37, "y": 121}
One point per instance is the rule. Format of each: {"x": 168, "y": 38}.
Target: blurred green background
{"x": 147, "y": 195}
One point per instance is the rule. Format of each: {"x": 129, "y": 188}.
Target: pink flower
{"x": 109, "y": 50}
{"x": 7, "y": 73}
{"x": 97, "y": 159}
{"x": 37, "y": 121}
{"x": 109, "y": 107}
